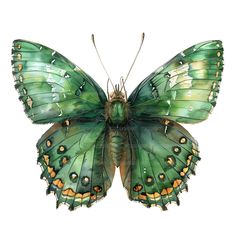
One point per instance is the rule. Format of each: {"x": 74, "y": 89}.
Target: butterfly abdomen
{"x": 116, "y": 144}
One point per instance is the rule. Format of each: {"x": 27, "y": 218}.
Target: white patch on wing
{"x": 180, "y": 75}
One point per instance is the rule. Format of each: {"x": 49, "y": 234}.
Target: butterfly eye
{"x": 181, "y": 62}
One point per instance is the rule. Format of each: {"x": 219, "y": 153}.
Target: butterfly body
{"x": 117, "y": 111}
{"x": 93, "y": 134}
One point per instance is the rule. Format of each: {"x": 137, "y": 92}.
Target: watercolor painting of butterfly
{"x": 93, "y": 133}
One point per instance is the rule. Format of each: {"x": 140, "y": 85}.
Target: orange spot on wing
{"x": 177, "y": 183}
{"x": 58, "y": 183}
{"x": 68, "y": 192}
{"x": 166, "y": 191}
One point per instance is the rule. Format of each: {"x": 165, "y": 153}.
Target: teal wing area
{"x": 160, "y": 155}
{"x": 51, "y": 87}
{"x": 184, "y": 89}
{"x": 74, "y": 160}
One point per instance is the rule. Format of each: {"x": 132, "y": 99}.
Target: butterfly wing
{"x": 51, "y": 87}
{"x": 184, "y": 89}
{"x": 160, "y": 155}
{"x": 74, "y": 161}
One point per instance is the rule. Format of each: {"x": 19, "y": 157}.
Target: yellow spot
{"x": 79, "y": 195}
{"x": 177, "y": 183}
{"x": 188, "y": 162}
{"x": 170, "y": 161}
{"x": 18, "y": 46}
{"x": 49, "y": 143}
{"x": 185, "y": 170}
{"x": 86, "y": 194}
{"x": 64, "y": 160}
{"x": 68, "y": 192}
{"x": 58, "y": 183}
{"x": 20, "y": 67}
{"x": 18, "y": 56}
{"x": 194, "y": 149}
{"x": 211, "y": 95}
{"x": 150, "y": 195}
{"x": 183, "y": 140}
{"x": 153, "y": 195}
{"x": 217, "y": 74}
{"x": 176, "y": 149}
{"x": 93, "y": 197}
{"x": 66, "y": 122}
{"x": 156, "y": 195}
{"x": 218, "y": 64}
{"x": 190, "y": 157}
{"x": 218, "y": 54}
{"x": 149, "y": 179}
{"x": 29, "y": 102}
{"x": 162, "y": 176}
{"x": 62, "y": 148}
{"x": 194, "y": 146}
{"x": 213, "y": 85}
{"x": 195, "y": 152}
{"x": 142, "y": 197}
{"x": 46, "y": 159}
{"x": 51, "y": 172}
{"x": 182, "y": 173}
{"x": 166, "y": 191}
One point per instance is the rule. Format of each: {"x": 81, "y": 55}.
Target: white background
{"x": 170, "y": 26}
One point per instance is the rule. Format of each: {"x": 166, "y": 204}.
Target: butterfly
{"x": 93, "y": 133}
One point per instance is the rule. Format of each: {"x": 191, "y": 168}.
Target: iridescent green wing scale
{"x": 72, "y": 153}
{"x": 160, "y": 155}
{"x": 74, "y": 160}
{"x": 51, "y": 87}
{"x": 184, "y": 89}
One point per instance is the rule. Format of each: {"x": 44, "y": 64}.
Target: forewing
{"x": 159, "y": 158}
{"x": 184, "y": 89}
{"x": 74, "y": 160}
{"x": 51, "y": 87}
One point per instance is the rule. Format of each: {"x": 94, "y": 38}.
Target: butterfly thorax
{"x": 116, "y": 109}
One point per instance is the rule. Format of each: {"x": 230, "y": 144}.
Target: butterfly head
{"x": 117, "y": 94}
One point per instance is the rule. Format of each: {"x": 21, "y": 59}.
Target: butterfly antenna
{"x": 104, "y": 68}
{"x": 141, "y": 44}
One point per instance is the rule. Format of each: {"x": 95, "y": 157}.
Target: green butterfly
{"x": 94, "y": 134}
